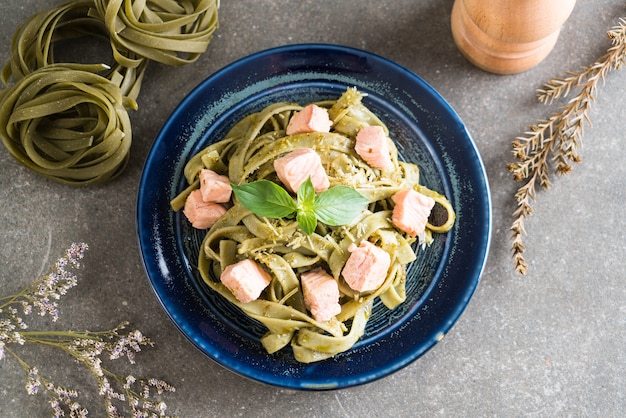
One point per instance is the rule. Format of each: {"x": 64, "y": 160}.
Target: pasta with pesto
{"x": 280, "y": 246}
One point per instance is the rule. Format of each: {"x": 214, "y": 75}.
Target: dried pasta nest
{"x": 167, "y": 31}
{"x": 67, "y": 123}
{"x": 86, "y": 140}
{"x": 34, "y": 43}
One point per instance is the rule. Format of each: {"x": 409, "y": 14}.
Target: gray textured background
{"x": 545, "y": 345}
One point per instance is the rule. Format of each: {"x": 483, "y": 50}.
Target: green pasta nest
{"x": 86, "y": 139}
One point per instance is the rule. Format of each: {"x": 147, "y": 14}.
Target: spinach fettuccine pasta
{"x": 76, "y": 132}
{"x": 71, "y": 125}
{"x": 172, "y": 32}
{"x": 286, "y": 251}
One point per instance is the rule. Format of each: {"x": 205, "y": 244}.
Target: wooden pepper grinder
{"x": 508, "y": 36}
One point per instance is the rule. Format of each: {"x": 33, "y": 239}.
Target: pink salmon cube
{"x": 321, "y": 294}
{"x": 215, "y": 187}
{"x": 295, "y": 167}
{"x": 411, "y": 211}
{"x": 246, "y": 279}
{"x": 373, "y": 146}
{"x": 202, "y": 214}
{"x": 367, "y": 266}
{"x": 312, "y": 118}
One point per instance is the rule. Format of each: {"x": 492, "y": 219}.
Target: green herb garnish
{"x": 336, "y": 206}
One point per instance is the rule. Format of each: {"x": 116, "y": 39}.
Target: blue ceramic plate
{"x": 427, "y": 131}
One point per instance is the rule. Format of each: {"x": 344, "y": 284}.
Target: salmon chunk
{"x": 246, "y": 279}
{"x": 202, "y": 214}
{"x": 321, "y": 294}
{"x": 372, "y": 145}
{"x": 366, "y": 268}
{"x": 411, "y": 211}
{"x": 312, "y": 118}
{"x": 294, "y": 168}
{"x": 215, "y": 187}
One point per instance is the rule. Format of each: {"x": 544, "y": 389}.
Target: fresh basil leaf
{"x": 306, "y": 195}
{"x": 265, "y": 198}
{"x": 339, "y": 205}
{"x": 306, "y": 199}
{"x": 307, "y": 221}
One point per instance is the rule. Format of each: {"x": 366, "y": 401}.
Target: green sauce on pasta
{"x": 246, "y": 154}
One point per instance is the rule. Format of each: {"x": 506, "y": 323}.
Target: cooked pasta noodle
{"x": 246, "y": 154}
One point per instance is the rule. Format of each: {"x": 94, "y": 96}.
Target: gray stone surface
{"x": 545, "y": 345}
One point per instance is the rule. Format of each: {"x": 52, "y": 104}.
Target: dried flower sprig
{"x": 88, "y": 348}
{"x": 556, "y": 143}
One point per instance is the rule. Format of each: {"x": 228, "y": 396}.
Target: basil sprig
{"x": 339, "y": 205}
